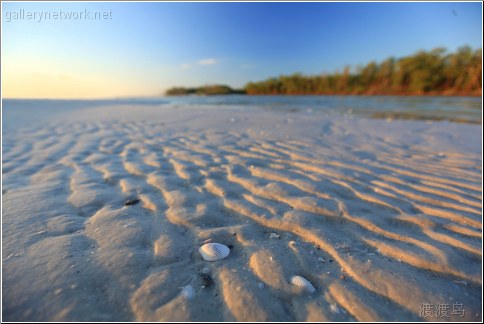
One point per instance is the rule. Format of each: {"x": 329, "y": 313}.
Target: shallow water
{"x": 459, "y": 109}
{"x": 455, "y": 109}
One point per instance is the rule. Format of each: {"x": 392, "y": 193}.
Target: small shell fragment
{"x": 214, "y": 251}
{"x": 274, "y": 236}
{"x": 188, "y": 292}
{"x": 334, "y": 308}
{"x": 302, "y": 282}
{"x": 131, "y": 202}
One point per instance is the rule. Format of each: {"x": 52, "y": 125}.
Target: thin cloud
{"x": 185, "y": 66}
{"x": 209, "y": 61}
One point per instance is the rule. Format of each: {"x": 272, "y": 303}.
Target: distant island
{"x": 434, "y": 72}
{"x": 209, "y": 90}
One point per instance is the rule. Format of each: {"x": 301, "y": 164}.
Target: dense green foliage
{"x": 434, "y": 72}
{"x": 205, "y": 90}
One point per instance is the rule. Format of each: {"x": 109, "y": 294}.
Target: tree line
{"x": 208, "y": 90}
{"x": 434, "y": 72}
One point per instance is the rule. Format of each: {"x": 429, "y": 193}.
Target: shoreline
{"x": 254, "y": 95}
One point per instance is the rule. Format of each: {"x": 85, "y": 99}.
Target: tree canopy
{"x": 432, "y": 72}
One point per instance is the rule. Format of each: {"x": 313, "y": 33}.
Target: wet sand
{"x": 381, "y": 217}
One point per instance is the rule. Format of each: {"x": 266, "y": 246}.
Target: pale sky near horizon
{"x": 141, "y": 49}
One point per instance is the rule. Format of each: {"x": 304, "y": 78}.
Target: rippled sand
{"x": 381, "y": 217}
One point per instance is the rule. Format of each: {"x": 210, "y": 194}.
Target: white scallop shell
{"x": 214, "y": 251}
{"x": 301, "y": 282}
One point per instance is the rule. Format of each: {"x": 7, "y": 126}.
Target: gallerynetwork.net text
{"x": 40, "y": 16}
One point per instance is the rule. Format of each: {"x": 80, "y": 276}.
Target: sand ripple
{"x": 379, "y": 227}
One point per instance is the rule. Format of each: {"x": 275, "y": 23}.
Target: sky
{"x": 141, "y": 49}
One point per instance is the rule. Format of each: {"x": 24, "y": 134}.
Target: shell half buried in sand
{"x": 214, "y": 251}
{"x": 302, "y": 282}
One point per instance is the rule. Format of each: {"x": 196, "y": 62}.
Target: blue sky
{"x": 145, "y": 48}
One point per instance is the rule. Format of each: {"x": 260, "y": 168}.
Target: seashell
{"x": 131, "y": 202}
{"x": 214, "y": 251}
{"x": 274, "y": 236}
{"x": 334, "y": 308}
{"x": 188, "y": 292}
{"x": 301, "y": 282}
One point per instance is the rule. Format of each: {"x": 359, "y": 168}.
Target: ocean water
{"x": 454, "y": 109}
{"x": 458, "y": 109}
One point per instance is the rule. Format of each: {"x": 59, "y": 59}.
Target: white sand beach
{"x": 384, "y": 218}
